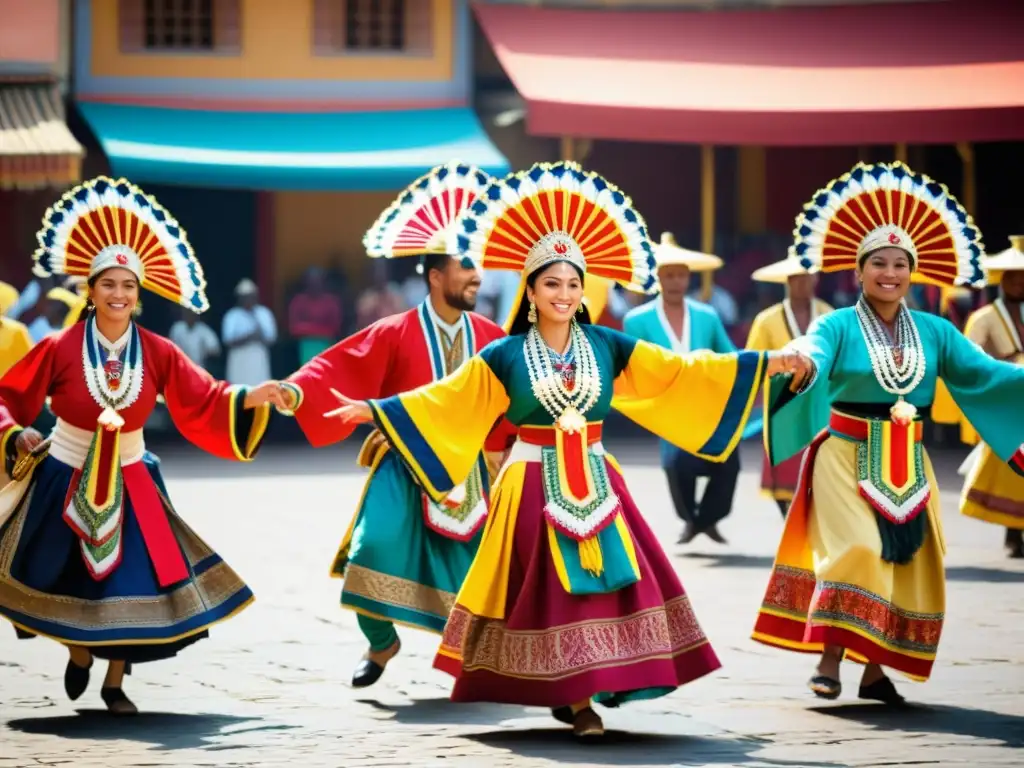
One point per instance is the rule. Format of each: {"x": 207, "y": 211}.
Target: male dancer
{"x": 404, "y": 556}
{"x": 992, "y": 491}
{"x": 774, "y": 328}
{"x": 684, "y": 325}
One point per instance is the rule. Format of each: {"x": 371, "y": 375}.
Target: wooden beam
{"x": 707, "y": 212}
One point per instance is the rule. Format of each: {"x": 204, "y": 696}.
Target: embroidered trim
{"x": 396, "y": 591}
{"x": 580, "y": 520}
{"x": 462, "y": 512}
{"x": 559, "y": 652}
{"x": 95, "y": 377}
{"x": 897, "y": 506}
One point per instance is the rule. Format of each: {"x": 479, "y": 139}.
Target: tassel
{"x": 590, "y": 556}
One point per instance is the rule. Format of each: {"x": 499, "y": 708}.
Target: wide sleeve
{"x": 356, "y": 367}
{"x": 699, "y": 402}
{"x": 439, "y": 429}
{"x": 209, "y": 413}
{"x": 23, "y": 391}
{"x": 987, "y": 391}
{"x": 794, "y": 415}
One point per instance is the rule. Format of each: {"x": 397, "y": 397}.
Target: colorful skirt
{"x": 46, "y": 588}
{"x": 779, "y": 482}
{"x": 830, "y": 584}
{"x": 993, "y": 492}
{"x": 394, "y": 566}
{"x": 517, "y": 636}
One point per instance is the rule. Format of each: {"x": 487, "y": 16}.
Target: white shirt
{"x": 248, "y": 364}
{"x": 198, "y": 341}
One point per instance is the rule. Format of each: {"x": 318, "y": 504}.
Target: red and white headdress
{"x": 421, "y": 219}
{"x": 888, "y": 205}
{"x": 558, "y": 212}
{"x": 104, "y": 223}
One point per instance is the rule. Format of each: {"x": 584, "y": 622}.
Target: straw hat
{"x": 781, "y": 271}
{"x": 669, "y": 253}
{"x": 1010, "y": 260}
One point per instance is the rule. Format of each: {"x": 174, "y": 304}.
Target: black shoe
{"x": 689, "y": 533}
{"x": 884, "y": 691}
{"x": 76, "y": 679}
{"x": 366, "y": 674}
{"x": 825, "y": 687}
{"x": 117, "y": 703}
{"x": 1014, "y": 543}
{"x": 562, "y": 714}
{"x": 713, "y": 534}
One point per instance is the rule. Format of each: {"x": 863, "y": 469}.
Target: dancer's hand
{"x": 27, "y": 440}
{"x": 271, "y": 392}
{"x": 788, "y": 362}
{"x": 351, "y": 411}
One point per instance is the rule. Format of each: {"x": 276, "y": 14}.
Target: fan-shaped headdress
{"x": 104, "y": 223}
{"x": 558, "y": 212}
{"x": 888, "y": 205}
{"x": 421, "y": 219}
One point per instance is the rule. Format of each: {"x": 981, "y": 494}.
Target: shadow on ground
{"x": 730, "y": 560}
{"x": 926, "y": 719}
{"x": 164, "y": 730}
{"x": 624, "y": 748}
{"x": 982, "y": 574}
{"x": 443, "y": 711}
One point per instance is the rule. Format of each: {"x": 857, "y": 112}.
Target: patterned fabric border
{"x": 571, "y": 649}
{"x": 794, "y": 592}
{"x": 1000, "y": 504}
{"x": 396, "y": 591}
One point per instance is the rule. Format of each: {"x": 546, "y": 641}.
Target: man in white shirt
{"x": 195, "y": 338}
{"x": 248, "y": 332}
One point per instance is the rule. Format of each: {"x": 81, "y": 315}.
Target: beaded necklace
{"x": 114, "y": 378}
{"x": 566, "y": 404}
{"x": 899, "y": 362}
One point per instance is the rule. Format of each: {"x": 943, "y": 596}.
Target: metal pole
{"x": 707, "y": 209}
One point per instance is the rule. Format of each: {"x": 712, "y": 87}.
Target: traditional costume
{"x": 570, "y": 595}
{"x": 702, "y": 330}
{"x": 92, "y": 552}
{"x": 774, "y": 328}
{"x": 405, "y": 553}
{"x": 860, "y": 562}
{"x": 992, "y": 491}
{"x": 8, "y": 296}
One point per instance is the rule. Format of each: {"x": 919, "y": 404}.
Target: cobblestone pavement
{"x": 270, "y": 688}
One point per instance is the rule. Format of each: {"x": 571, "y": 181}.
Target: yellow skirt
{"x": 993, "y": 492}
{"x": 829, "y": 584}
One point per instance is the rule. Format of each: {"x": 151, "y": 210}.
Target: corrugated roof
{"x": 36, "y": 148}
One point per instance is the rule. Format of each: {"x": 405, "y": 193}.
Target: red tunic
{"x": 384, "y": 359}
{"x": 203, "y": 409}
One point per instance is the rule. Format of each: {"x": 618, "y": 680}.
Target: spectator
{"x": 30, "y": 299}
{"x": 15, "y": 342}
{"x": 54, "y": 310}
{"x": 248, "y": 331}
{"x": 195, "y": 338}
{"x": 314, "y": 316}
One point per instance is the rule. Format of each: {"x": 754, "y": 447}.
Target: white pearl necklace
{"x": 566, "y": 407}
{"x": 94, "y": 356}
{"x": 896, "y": 376}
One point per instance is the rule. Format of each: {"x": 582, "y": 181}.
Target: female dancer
{"x": 570, "y": 597}
{"x": 859, "y": 569}
{"x": 92, "y": 554}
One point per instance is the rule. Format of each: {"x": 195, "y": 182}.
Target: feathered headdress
{"x": 888, "y": 205}
{"x": 104, "y": 223}
{"x": 420, "y": 220}
{"x": 558, "y": 212}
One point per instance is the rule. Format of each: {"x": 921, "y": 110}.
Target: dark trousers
{"x": 682, "y": 471}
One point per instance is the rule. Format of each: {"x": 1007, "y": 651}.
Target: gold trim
{"x": 5, "y": 438}
{"x": 396, "y": 591}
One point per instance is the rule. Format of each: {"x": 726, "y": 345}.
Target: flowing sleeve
{"x": 699, "y": 402}
{"x": 23, "y": 391}
{"x": 987, "y": 391}
{"x": 440, "y": 429}
{"x": 356, "y": 367}
{"x": 794, "y": 416}
{"x": 211, "y": 414}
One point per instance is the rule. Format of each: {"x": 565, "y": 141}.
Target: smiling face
{"x": 458, "y": 282}
{"x": 885, "y": 275}
{"x": 556, "y": 292}
{"x": 115, "y": 292}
